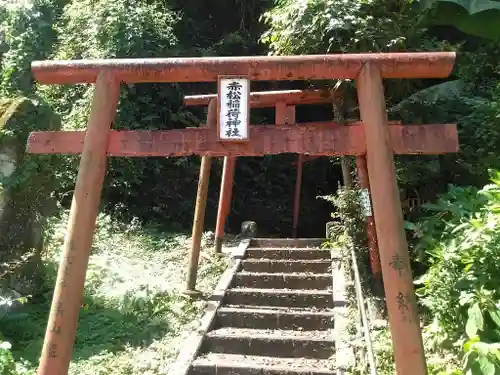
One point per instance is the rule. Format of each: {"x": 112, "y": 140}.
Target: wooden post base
{"x": 218, "y": 245}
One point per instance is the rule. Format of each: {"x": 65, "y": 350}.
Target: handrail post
{"x": 398, "y": 282}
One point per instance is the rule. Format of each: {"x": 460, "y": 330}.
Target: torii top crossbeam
{"x": 258, "y": 68}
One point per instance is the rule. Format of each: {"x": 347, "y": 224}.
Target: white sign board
{"x": 234, "y": 105}
{"x": 365, "y": 202}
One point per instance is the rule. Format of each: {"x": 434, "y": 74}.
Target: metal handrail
{"x": 364, "y": 317}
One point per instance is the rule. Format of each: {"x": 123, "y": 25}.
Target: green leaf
{"x": 486, "y": 366}
{"x": 495, "y": 316}
{"x": 475, "y": 311}
{"x": 470, "y": 343}
{"x": 443, "y": 91}
{"x": 471, "y": 327}
{"x": 475, "y": 321}
{"x": 471, "y": 6}
{"x": 410, "y": 226}
{"x": 483, "y": 24}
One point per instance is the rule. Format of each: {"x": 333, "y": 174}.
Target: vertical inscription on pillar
{"x": 233, "y": 104}
{"x": 52, "y": 350}
{"x": 407, "y": 306}
{"x": 398, "y": 264}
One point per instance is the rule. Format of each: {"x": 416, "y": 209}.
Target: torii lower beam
{"x": 323, "y": 139}
{"x": 320, "y": 139}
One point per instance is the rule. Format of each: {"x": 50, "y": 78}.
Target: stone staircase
{"x": 273, "y": 315}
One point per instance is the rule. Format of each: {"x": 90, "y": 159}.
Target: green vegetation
{"x": 134, "y": 318}
{"x": 460, "y": 288}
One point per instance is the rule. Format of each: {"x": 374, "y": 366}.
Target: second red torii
{"x": 426, "y": 139}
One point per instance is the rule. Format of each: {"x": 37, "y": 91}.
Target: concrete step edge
{"x": 298, "y": 261}
{"x": 316, "y": 292}
{"x": 271, "y": 365}
{"x": 271, "y": 335}
{"x": 298, "y": 275}
{"x": 256, "y": 310}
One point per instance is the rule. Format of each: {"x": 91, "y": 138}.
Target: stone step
{"x": 279, "y": 297}
{"x": 281, "y": 343}
{"x": 286, "y": 265}
{"x": 232, "y": 364}
{"x": 287, "y": 254}
{"x": 262, "y": 318}
{"x": 282, "y": 280}
{"x": 287, "y": 242}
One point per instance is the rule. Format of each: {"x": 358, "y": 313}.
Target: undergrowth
{"x": 134, "y": 318}
{"x": 458, "y": 241}
{"x": 348, "y": 234}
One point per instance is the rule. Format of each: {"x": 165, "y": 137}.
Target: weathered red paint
{"x": 308, "y": 158}
{"x": 68, "y": 293}
{"x": 398, "y": 281}
{"x": 259, "y": 68}
{"x": 282, "y": 114}
{"x": 263, "y": 99}
{"x": 321, "y": 139}
{"x": 417, "y": 139}
{"x": 226, "y": 193}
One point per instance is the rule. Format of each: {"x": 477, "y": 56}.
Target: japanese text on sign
{"x": 233, "y": 109}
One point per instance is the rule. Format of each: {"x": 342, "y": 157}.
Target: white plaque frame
{"x": 243, "y": 128}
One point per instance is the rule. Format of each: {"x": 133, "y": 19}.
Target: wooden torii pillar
{"x": 284, "y": 102}
{"x": 372, "y": 137}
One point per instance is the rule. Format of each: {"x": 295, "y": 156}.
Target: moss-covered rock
{"x": 26, "y": 186}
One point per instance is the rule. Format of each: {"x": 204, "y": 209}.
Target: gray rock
{"x": 248, "y": 229}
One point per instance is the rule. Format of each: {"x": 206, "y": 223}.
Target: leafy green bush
{"x": 460, "y": 288}
{"x": 346, "y": 26}
{"x": 26, "y": 192}
{"x": 28, "y": 34}
{"x": 8, "y": 365}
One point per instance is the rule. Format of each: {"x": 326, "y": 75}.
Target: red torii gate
{"x": 372, "y": 137}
